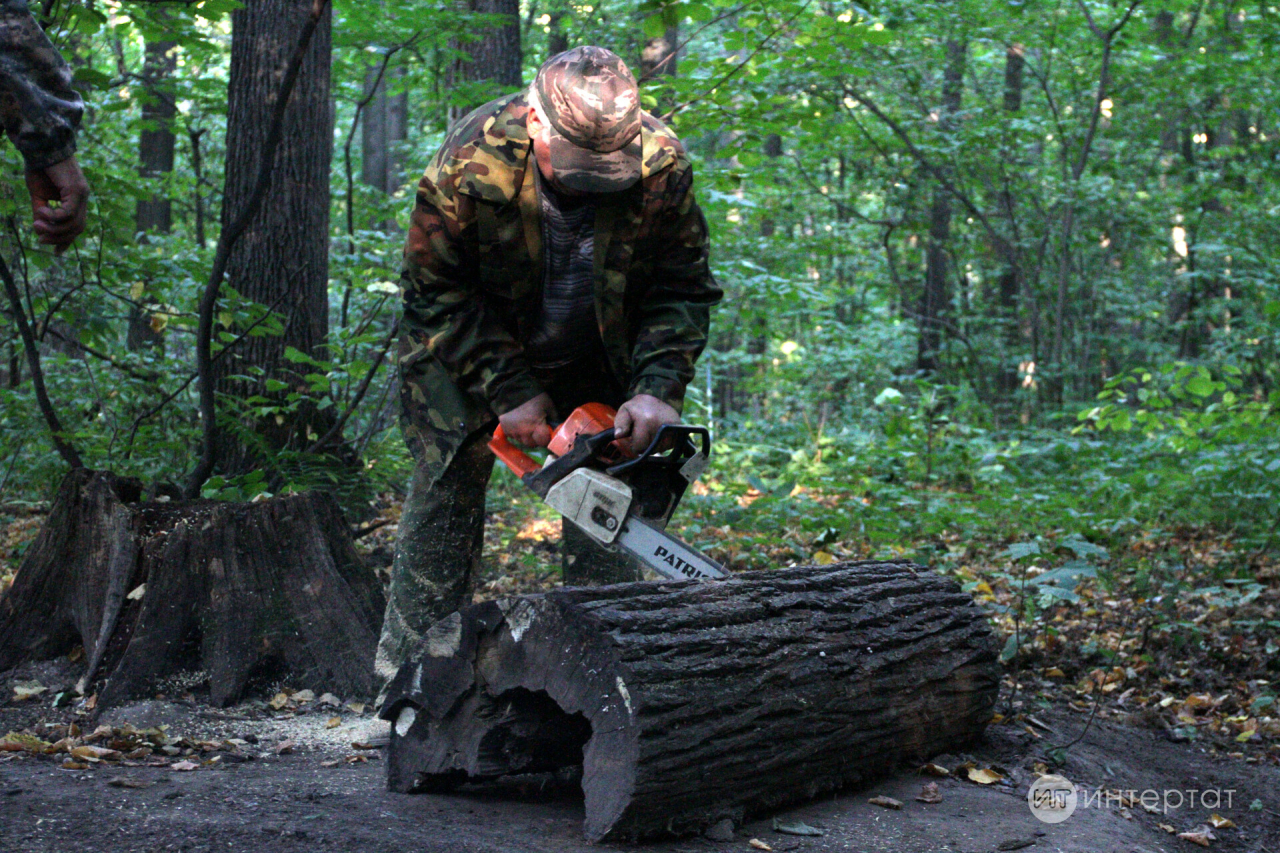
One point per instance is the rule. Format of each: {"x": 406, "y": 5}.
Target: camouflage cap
{"x": 590, "y": 105}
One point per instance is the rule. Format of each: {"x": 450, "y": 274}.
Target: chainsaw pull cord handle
{"x": 520, "y": 463}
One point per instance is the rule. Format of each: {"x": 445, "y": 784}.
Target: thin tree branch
{"x": 64, "y": 448}
{"x": 924, "y": 161}
{"x": 738, "y": 67}
{"x": 226, "y": 241}
{"x": 169, "y": 398}
{"x": 335, "y": 431}
{"x": 653, "y": 72}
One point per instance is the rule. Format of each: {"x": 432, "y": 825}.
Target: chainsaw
{"x": 622, "y": 501}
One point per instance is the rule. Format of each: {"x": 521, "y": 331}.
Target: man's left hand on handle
{"x": 639, "y": 418}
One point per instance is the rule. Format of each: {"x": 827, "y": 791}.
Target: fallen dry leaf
{"x": 930, "y": 793}
{"x": 96, "y": 753}
{"x": 284, "y": 747}
{"x": 128, "y": 782}
{"x": 885, "y": 802}
{"x": 330, "y": 700}
{"x": 758, "y": 844}
{"x": 70, "y": 764}
{"x": 983, "y": 775}
{"x": 303, "y": 696}
{"x": 18, "y": 742}
{"x": 333, "y": 723}
{"x": 362, "y": 745}
{"x": 356, "y": 707}
{"x": 356, "y": 759}
{"x": 24, "y": 690}
{"x": 1040, "y": 768}
{"x": 334, "y": 763}
{"x": 1201, "y": 836}
{"x": 279, "y": 701}
{"x": 184, "y": 765}
{"x": 932, "y": 769}
{"x": 1167, "y": 828}
{"x": 1217, "y": 821}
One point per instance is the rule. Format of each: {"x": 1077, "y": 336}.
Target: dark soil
{"x": 281, "y": 803}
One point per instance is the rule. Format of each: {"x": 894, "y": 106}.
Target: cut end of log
{"x": 688, "y": 703}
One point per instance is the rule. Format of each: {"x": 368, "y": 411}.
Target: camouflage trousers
{"x": 439, "y": 545}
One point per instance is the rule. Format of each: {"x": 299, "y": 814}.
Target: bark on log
{"x": 691, "y": 702}
{"x": 246, "y": 592}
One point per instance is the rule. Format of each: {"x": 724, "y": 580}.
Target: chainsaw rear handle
{"x": 520, "y": 463}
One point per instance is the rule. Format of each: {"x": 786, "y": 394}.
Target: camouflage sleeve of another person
{"x": 39, "y": 109}
{"x": 445, "y": 314}
{"x": 674, "y": 314}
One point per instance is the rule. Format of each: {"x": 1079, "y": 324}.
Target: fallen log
{"x": 243, "y": 592}
{"x": 687, "y": 703}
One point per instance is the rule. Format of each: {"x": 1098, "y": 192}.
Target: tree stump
{"x": 245, "y": 592}
{"x": 690, "y": 702}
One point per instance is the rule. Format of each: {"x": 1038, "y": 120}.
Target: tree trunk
{"x": 282, "y": 260}
{"x": 935, "y": 301}
{"x": 155, "y": 159}
{"x": 384, "y": 123}
{"x": 1010, "y": 283}
{"x": 494, "y": 59}
{"x": 156, "y": 140}
{"x": 557, "y": 38}
{"x": 245, "y": 592}
{"x": 687, "y": 703}
{"x": 658, "y": 56}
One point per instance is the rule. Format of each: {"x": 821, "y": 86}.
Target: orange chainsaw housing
{"x": 587, "y": 419}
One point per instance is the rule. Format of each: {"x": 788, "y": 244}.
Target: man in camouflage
{"x": 40, "y": 112}
{"x": 555, "y": 256}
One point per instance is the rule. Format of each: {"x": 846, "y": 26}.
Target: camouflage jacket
{"x": 38, "y": 108}
{"x": 472, "y": 279}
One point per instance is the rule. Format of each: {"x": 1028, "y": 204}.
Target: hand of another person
{"x": 527, "y": 423}
{"x": 64, "y": 183}
{"x": 639, "y": 419}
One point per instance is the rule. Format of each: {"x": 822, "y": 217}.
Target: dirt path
{"x": 293, "y": 802}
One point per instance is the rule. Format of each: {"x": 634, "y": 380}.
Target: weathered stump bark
{"x": 690, "y": 702}
{"x": 242, "y": 591}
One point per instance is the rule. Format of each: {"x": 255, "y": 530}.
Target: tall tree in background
{"x": 383, "y": 124}
{"x": 492, "y": 60}
{"x": 936, "y": 298}
{"x": 282, "y": 261}
{"x": 155, "y": 159}
{"x": 658, "y": 57}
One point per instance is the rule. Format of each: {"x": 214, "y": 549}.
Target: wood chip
{"x": 930, "y": 793}
{"x": 886, "y": 802}
{"x": 1201, "y": 836}
{"x": 128, "y": 782}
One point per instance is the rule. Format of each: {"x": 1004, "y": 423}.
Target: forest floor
{"x": 290, "y": 779}
{"x": 1158, "y": 703}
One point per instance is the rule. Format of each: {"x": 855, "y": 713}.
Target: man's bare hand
{"x": 639, "y": 419}
{"x": 62, "y": 183}
{"x": 527, "y": 423}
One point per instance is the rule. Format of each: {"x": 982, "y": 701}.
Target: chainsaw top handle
{"x": 675, "y": 444}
